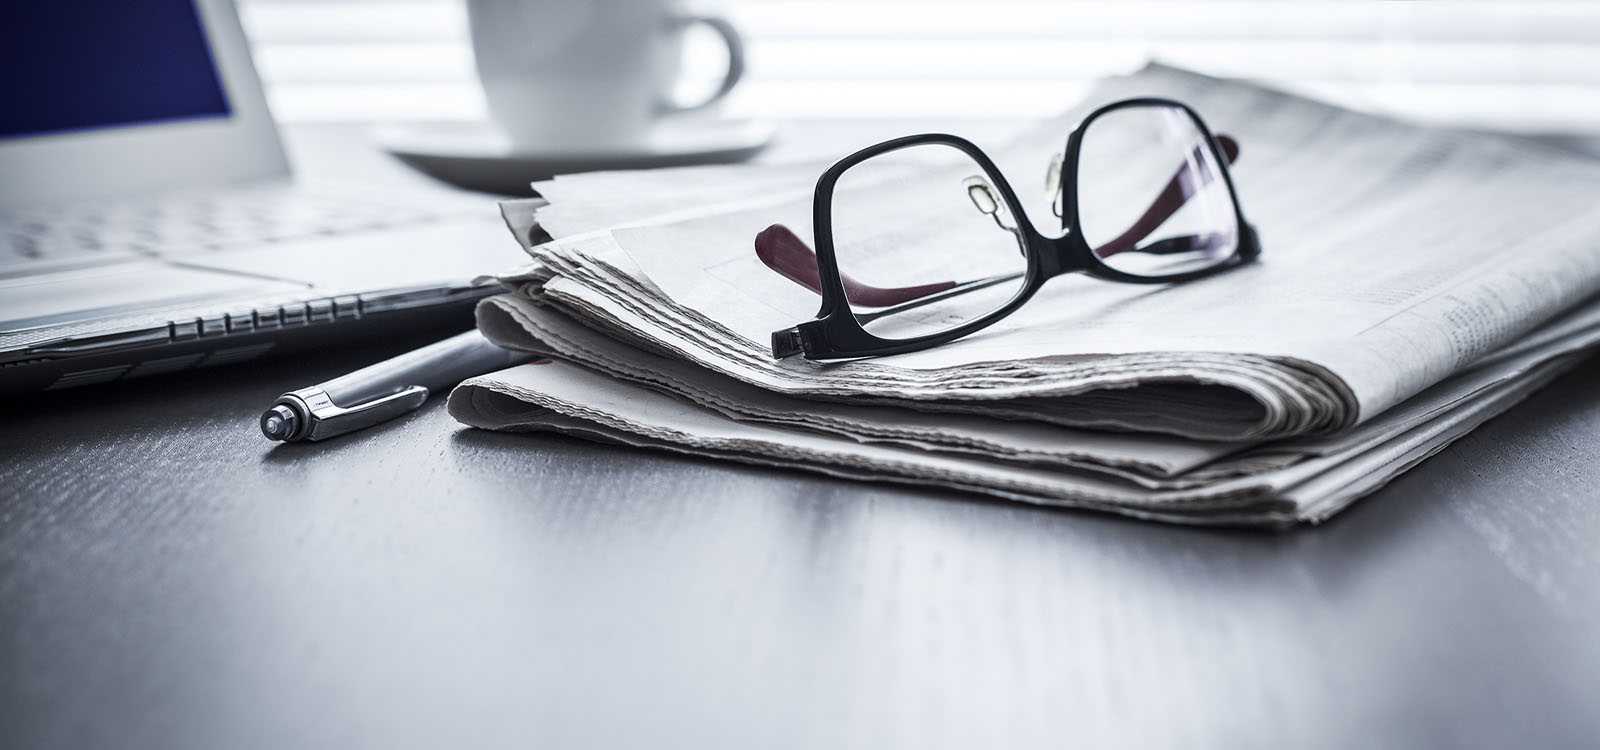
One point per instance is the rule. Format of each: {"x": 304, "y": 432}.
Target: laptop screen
{"x": 69, "y": 65}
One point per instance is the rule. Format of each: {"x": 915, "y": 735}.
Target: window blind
{"x": 1522, "y": 65}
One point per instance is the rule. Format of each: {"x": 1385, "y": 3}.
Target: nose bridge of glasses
{"x": 1058, "y": 257}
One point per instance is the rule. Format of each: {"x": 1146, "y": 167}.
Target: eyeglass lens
{"x": 924, "y": 242}
{"x": 1152, "y": 200}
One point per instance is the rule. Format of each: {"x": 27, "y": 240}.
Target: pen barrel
{"x": 436, "y": 367}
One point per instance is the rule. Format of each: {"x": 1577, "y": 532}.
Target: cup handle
{"x": 730, "y": 37}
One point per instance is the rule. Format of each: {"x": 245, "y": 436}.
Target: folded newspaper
{"x": 1414, "y": 282}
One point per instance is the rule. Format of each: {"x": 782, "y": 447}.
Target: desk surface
{"x": 169, "y": 580}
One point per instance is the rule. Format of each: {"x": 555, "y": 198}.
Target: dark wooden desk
{"x": 169, "y": 580}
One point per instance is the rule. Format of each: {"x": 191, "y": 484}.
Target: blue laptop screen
{"x": 80, "y": 64}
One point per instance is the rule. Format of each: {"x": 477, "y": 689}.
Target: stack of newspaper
{"x": 1415, "y": 281}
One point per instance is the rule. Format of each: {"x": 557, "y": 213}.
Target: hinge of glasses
{"x": 1252, "y": 247}
{"x": 786, "y": 343}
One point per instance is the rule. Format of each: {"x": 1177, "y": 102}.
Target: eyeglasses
{"x": 921, "y": 241}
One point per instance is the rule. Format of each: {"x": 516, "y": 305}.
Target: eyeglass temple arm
{"x": 1172, "y": 197}
{"x": 782, "y": 251}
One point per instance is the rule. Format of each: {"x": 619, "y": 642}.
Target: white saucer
{"x": 477, "y": 156}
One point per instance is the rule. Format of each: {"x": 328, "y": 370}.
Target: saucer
{"x": 477, "y": 156}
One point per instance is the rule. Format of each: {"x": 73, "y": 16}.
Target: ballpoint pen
{"x": 383, "y": 391}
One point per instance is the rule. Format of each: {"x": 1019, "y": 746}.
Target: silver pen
{"x": 383, "y": 391}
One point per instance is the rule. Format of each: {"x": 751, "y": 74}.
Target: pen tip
{"x": 279, "y": 423}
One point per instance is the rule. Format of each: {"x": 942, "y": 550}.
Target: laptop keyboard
{"x": 186, "y": 224}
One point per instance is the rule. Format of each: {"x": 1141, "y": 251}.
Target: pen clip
{"x": 328, "y": 419}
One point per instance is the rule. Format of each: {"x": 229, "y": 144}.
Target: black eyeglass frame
{"x": 837, "y": 334}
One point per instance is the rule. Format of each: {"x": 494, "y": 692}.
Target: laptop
{"x": 149, "y": 222}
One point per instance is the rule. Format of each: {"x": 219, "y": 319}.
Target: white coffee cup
{"x": 590, "y": 76}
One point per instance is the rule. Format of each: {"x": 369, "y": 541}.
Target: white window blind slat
{"x": 1528, "y": 65}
